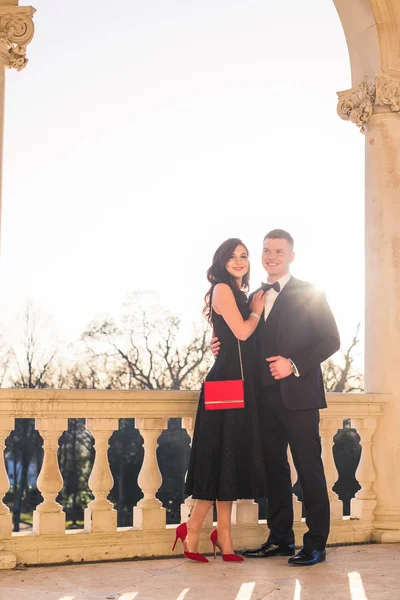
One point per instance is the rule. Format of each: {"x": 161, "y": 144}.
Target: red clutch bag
{"x": 221, "y": 395}
{"x": 227, "y": 394}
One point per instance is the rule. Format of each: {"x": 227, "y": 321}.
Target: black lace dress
{"x": 226, "y": 461}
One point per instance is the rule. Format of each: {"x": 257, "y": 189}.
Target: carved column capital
{"x": 358, "y": 104}
{"x": 16, "y": 31}
{"x": 388, "y": 91}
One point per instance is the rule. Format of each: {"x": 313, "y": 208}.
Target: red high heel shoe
{"x": 225, "y": 557}
{"x": 181, "y": 533}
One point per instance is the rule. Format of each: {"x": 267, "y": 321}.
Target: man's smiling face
{"x": 276, "y": 257}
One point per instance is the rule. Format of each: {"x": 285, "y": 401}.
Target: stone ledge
{"x": 19, "y": 403}
{"x": 79, "y": 546}
{"x": 129, "y": 543}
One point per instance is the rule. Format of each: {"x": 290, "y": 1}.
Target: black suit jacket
{"x": 308, "y": 335}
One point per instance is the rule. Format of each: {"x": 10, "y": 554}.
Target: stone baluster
{"x": 363, "y": 505}
{"x": 49, "y": 517}
{"x": 100, "y": 515}
{"x": 297, "y": 505}
{"x": 149, "y": 512}
{"x": 7, "y": 425}
{"x": 329, "y": 428}
{"x": 7, "y": 559}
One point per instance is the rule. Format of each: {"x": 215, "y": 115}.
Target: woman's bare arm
{"x": 224, "y": 303}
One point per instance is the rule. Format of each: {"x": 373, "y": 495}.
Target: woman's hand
{"x": 215, "y": 345}
{"x": 257, "y": 302}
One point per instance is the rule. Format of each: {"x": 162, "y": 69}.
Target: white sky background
{"x": 142, "y": 135}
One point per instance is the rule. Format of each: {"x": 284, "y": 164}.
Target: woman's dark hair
{"x": 217, "y": 273}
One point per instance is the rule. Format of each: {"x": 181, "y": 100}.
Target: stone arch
{"x": 362, "y": 38}
{"x": 372, "y": 30}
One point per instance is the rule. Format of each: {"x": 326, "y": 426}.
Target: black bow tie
{"x": 275, "y": 286}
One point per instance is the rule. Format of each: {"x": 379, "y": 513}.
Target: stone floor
{"x": 370, "y": 572}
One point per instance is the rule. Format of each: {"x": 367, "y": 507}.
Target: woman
{"x": 225, "y": 461}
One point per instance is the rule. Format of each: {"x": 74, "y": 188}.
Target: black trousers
{"x": 299, "y": 429}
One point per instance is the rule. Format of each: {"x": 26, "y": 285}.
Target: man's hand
{"x": 279, "y": 366}
{"x": 215, "y": 346}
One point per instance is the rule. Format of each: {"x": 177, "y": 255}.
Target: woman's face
{"x": 238, "y": 264}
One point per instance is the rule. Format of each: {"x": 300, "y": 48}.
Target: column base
{"x": 386, "y": 526}
{"x": 149, "y": 518}
{"x": 100, "y": 521}
{"x": 5, "y": 526}
{"x": 383, "y": 536}
{"x": 48, "y": 523}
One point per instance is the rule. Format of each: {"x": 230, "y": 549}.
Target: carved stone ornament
{"x": 388, "y": 92}
{"x": 357, "y": 105}
{"x": 16, "y": 31}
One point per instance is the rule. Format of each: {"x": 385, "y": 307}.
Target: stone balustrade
{"x": 101, "y": 539}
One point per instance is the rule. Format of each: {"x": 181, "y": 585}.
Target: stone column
{"x": 375, "y": 107}
{"x": 16, "y": 31}
{"x": 49, "y": 517}
{"x": 382, "y": 295}
{"x": 100, "y": 515}
{"x": 149, "y": 512}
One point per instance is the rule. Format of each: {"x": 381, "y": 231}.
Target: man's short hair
{"x": 280, "y": 234}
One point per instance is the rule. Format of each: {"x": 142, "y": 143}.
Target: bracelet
{"x": 254, "y": 314}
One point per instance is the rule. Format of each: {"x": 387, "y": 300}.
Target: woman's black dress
{"x": 226, "y": 461}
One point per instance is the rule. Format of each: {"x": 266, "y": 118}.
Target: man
{"x": 296, "y": 333}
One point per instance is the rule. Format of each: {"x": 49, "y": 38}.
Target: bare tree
{"x": 33, "y": 357}
{"x": 344, "y": 377}
{"x": 88, "y": 371}
{"x": 5, "y": 358}
{"x": 145, "y": 349}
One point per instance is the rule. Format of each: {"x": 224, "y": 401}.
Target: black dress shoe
{"x": 268, "y": 549}
{"x": 304, "y": 558}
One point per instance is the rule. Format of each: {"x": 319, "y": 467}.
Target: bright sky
{"x": 142, "y": 135}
